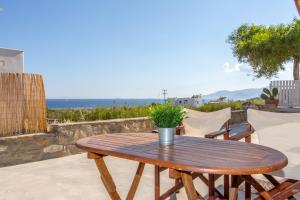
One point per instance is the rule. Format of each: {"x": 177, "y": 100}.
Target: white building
{"x": 194, "y": 101}
{"x": 11, "y": 60}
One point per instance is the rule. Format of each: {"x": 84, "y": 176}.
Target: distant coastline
{"x": 93, "y": 103}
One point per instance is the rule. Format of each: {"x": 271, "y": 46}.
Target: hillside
{"x": 235, "y": 95}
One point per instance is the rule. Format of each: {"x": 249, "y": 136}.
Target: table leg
{"x": 177, "y": 182}
{"x": 108, "y": 181}
{"x": 105, "y": 176}
{"x": 211, "y": 187}
{"x": 247, "y": 191}
{"x": 191, "y": 192}
{"x": 206, "y": 182}
{"x": 157, "y": 182}
{"x": 226, "y": 186}
{"x": 234, "y": 188}
{"x": 135, "y": 181}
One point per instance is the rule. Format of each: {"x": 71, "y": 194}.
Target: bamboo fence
{"x": 22, "y": 104}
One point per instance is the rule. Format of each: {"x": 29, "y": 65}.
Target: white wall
{"x": 11, "y": 61}
{"x": 188, "y": 101}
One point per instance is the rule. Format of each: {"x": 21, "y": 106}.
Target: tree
{"x": 267, "y": 48}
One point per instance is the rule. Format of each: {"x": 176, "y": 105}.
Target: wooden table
{"x": 189, "y": 157}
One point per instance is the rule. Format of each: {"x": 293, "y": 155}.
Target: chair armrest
{"x": 217, "y": 133}
{"x": 180, "y": 130}
{"x": 242, "y": 135}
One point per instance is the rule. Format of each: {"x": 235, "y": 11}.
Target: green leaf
{"x": 267, "y": 91}
{"x": 274, "y": 92}
{"x": 264, "y": 96}
{"x": 166, "y": 115}
{"x": 266, "y": 48}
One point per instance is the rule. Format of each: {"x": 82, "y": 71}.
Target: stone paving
{"x": 77, "y": 178}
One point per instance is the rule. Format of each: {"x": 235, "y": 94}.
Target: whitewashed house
{"x": 11, "y": 60}
{"x": 194, "y": 101}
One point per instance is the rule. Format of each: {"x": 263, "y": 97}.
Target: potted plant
{"x": 270, "y": 96}
{"x": 166, "y": 117}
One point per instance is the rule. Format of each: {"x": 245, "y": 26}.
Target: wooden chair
{"x": 200, "y": 124}
{"x": 280, "y": 131}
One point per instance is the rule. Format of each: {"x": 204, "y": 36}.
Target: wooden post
{"x": 157, "y": 182}
{"x": 297, "y": 3}
{"x": 248, "y": 138}
{"x": 226, "y": 177}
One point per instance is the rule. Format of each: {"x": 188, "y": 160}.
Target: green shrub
{"x": 234, "y": 105}
{"x": 210, "y": 107}
{"x": 167, "y": 115}
{"x": 258, "y": 101}
{"x": 77, "y": 115}
{"x": 101, "y": 113}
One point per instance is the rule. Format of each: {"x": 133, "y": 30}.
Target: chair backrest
{"x": 199, "y": 124}
{"x": 280, "y": 131}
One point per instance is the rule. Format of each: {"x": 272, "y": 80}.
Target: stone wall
{"x": 27, "y": 148}
{"x": 60, "y": 141}
{"x": 68, "y": 134}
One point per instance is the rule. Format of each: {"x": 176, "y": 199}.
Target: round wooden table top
{"x": 188, "y": 153}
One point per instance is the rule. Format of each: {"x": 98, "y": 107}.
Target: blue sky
{"x": 134, "y": 48}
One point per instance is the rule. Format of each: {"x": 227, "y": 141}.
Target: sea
{"x": 93, "y": 103}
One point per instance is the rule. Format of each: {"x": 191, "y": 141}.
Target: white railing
{"x": 288, "y": 92}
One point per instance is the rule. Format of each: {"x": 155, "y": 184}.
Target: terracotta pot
{"x": 272, "y": 102}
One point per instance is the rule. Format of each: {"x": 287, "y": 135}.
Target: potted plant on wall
{"x": 270, "y": 96}
{"x": 166, "y": 117}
